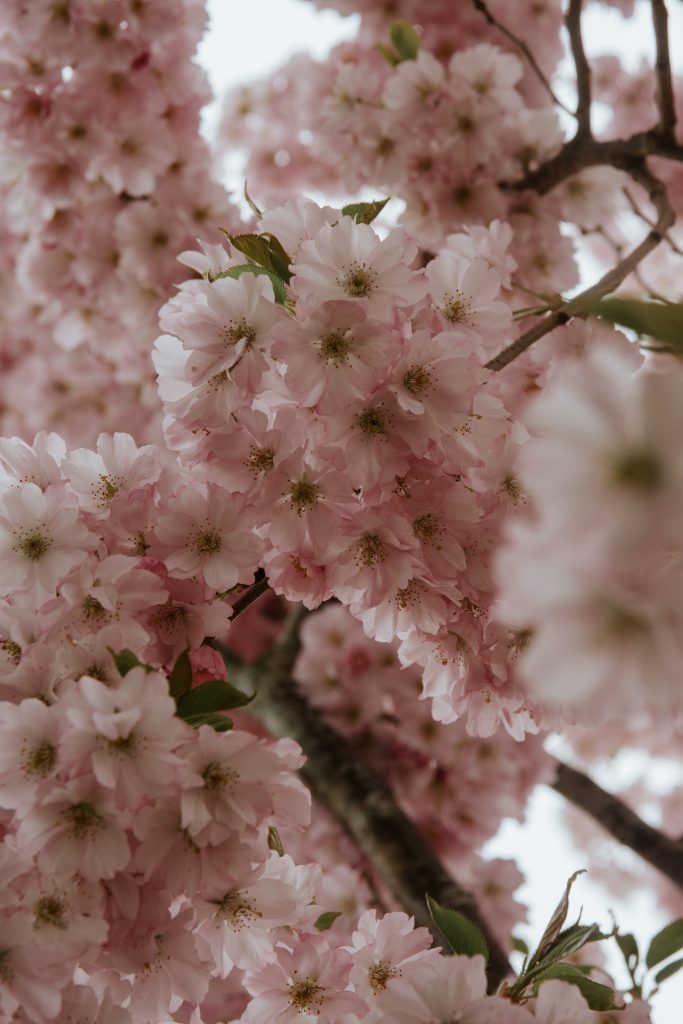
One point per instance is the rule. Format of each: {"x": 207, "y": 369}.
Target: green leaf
{"x": 405, "y": 39}
{"x": 629, "y": 949}
{"x": 519, "y": 945}
{"x": 218, "y": 722}
{"x": 662, "y": 321}
{"x": 279, "y": 289}
{"x": 390, "y": 56}
{"x": 598, "y": 997}
{"x": 667, "y": 971}
{"x": 665, "y": 943}
{"x": 180, "y": 679}
{"x": 462, "y": 935}
{"x": 556, "y": 922}
{"x": 365, "y": 213}
{"x": 265, "y": 250}
{"x": 213, "y": 695}
{"x": 274, "y": 841}
{"x": 125, "y": 660}
{"x": 326, "y": 921}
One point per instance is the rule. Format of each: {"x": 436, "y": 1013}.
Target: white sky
{"x": 249, "y": 41}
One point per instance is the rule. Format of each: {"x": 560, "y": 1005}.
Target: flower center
{"x": 170, "y": 619}
{"x": 93, "y": 611}
{"x": 40, "y": 760}
{"x": 304, "y": 495}
{"x": 34, "y": 545}
{"x": 216, "y": 776}
{"x": 370, "y": 550}
{"x": 238, "y": 331}
{"x": 456, "y": 309}
{"x": 335, "y": 346}
{"x": 208, "y": 542}
{"x": 306, "y": 994}
{"x": 104, "y": 491}
{"x": 417, "y": 380}
{"x": 427, "y": 529}
{"x": 236, "y": 908}
{"x": 260, "y": 460}
{"x": 639, "y": 471}
{"x": 357, "y": 282}
{"x": 125, "y": 746}
{"x": 216, "y": 382}
{"x": 84, "y": 820}
{"x": 6, "y": 972}
{"x": 50, "y": 910}
{"x": 11, "y": 650}
{"x": 373, "y": 421}
{"x": 379, "y": 974}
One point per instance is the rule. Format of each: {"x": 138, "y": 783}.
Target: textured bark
{"x": 621, "y": 822}
{"x": 361, "y": 801}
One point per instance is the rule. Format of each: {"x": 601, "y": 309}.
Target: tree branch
{"x": 483, "y": 9}
{"x": 621, "y": 822}
{"x": 583, "y": 71}
{"x": 250, "y": 595}
{"x": 361, "y": 800}
{"x": 665, "y": 92}
{"x": 609, "y": 281}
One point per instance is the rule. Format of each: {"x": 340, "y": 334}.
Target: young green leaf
{"x": 405, "y": 39}
{"x": 125, "y": 660}
{"x": 265, "y": 250}
{"x": 326, "y": 921}
{"x": 665, "y": 943}
{"x": 554, "y": 926}
{"x": 390, "y": 56}
{"x": 218, "y": 722}
{"x": 598, "y": 997}
{"x": 180, "y": 679}
{"x": 519, "y": 945}
{"x": 274, "y": 841}
{"x": 462, "y": 935}
{"x": 662, "y": 321}
{"x": 214, "y": 695}
{"x": 667, "y": 971}
{"x": 629, "y": 949}
{"x": 365, "y": 213}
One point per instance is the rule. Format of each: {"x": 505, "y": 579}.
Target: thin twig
{"x": 483, "y": 9}
{"x": 650, "y": 223}
{"x": 360, "y": 799}
{"x": 621, "y": 822}
{"x": 609, "y": 281}
{"x": 583, "y": 71}
{"x": 249, "y": 596}
{"x": 665, "y": 93}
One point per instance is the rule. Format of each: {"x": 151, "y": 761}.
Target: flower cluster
{"x": 104, "y": 181}
{"x": 358, "y": 434}
{"x": 595, "y": 573}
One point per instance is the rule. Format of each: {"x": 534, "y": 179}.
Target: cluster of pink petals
{"x": 440, "y": 132}
{"x": 594, "y": 573}
{"x": 355, "y": 429}
{"x": 104, "y": 181}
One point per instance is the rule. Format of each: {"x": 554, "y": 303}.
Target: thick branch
{"x": 621, "y": 822}
{"x": 580, "y": 153}
{"x": 665, "y": 92}
{"x": 583, "y": 71}
{"x": 361, "y": 800}
{"x": 483, "y": 9}
{"x": 609, "y": 281}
